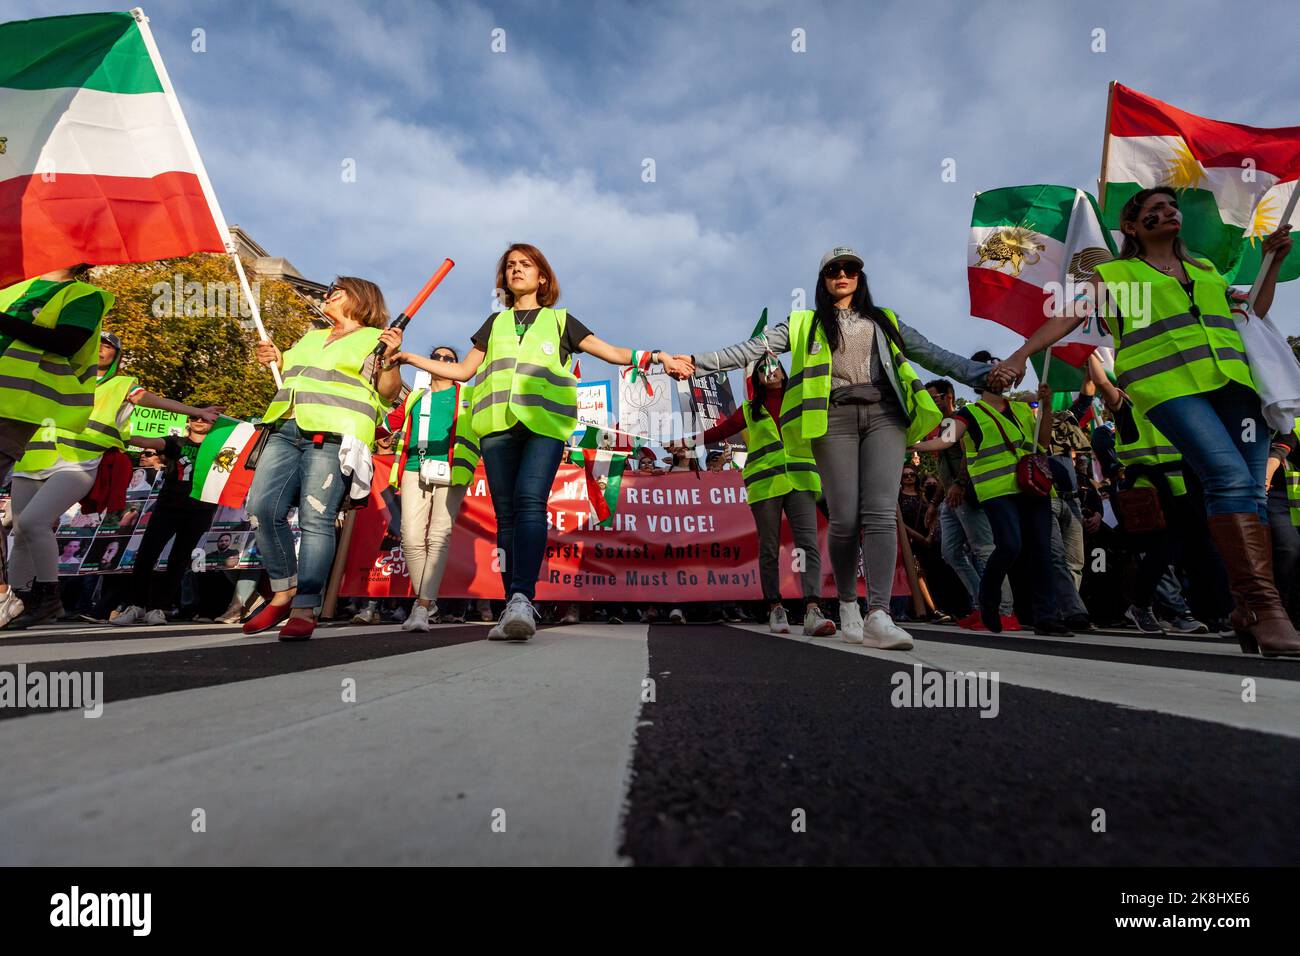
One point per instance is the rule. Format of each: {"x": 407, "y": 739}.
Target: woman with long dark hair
{"x": 525, "y": 408}
{"x": 854, "y": 403}
{"x": 1181, "y": 361}
{"x": 778, "y": 478}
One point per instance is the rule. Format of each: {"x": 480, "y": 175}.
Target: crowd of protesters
{"x": 1142, "y": 505}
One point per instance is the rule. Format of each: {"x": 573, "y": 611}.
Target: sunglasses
{"x": 329, "y": 292}
{"x": 850, "y": 269}
{"x": 442, "y": 357}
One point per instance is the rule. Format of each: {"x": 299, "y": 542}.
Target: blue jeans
{"x": 1210, "y": 429}
{"x": 1063, "y": 586}
{"x": 967, "y": 543}
{"x": 294, "y": 473}
{"x": 1021, "y": 520}
{"x": 521, "y": 467}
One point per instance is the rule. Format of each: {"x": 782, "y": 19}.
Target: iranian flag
{"x": 1233, "y": 180}
{"x": 604, "y": 470}
{"x": 97, "y": 163}
{"x": 221, "y": 474}
{"x": 1032, "y": 252}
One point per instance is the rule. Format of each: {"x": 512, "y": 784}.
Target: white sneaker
{"x": 881, "y": 631}
{"x": 130, "y": 615}
{"x": 155, "y": 617}
{"x": 676, "y": 616}
{"x": 816, "y": 624}
{"x": 777, "y": 622}
{"x": 417, "y": 620}
{"x": 518, "y": 621}
{"x": 11, "y": 605}
{"x": 850, "y": 622}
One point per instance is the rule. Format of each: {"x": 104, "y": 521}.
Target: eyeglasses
{"x": 850, "y": 269}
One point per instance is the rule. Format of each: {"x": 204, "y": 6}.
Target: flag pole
{"x": 1268, "y": 256}
{"x": 201, "y": 173}
{"x": 1105, "y": 147}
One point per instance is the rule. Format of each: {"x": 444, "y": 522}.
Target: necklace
{"x": 1167, "y": 270}
{"x": 523, "y": 320}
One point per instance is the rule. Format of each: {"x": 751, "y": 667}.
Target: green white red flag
{"x": 1032, "y": 252}
{"x": 221, "y": 474}
{"x": 604, "y": 470}
{"x": 1233, "y": 181}
{"x": 97, "y": 163}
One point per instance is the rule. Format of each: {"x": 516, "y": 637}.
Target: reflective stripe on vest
{"x": 325, "y": 387}
{"x": 992, "y": 465}
{"x": 100, "y": 434}
{"x": 771, "y": 470}
{"x": 1164, "y": 350}
{"x": 807, "y": 393}
{"x": 1152, "y": 448}
{"x": 464, "y": 450}
{"x": 42, "y": 387}
{"x": 526, "y": 381}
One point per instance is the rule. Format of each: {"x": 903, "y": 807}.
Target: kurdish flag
{"x": 221, "y": 475}
{"x": 1032, "y": 251}
{"x": 97, "y": 163}
{"x": 604, "y": 470}
{"x": 1233, "y": 181}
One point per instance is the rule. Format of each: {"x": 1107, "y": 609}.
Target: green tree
{"x": 186, "y": 333}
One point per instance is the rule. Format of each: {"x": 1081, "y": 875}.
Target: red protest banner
{"x": 685, "y": 536}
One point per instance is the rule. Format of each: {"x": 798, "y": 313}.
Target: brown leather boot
{"x": 1259, "y": 619}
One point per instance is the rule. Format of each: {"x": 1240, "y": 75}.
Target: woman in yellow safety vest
{"x": 333, "y": 390}
{"x": 1181, "y": 360}
{"x": 59, "y": 469}
{"x": 996, "y": 433}
{"x": 854, "y": 401}
{"x": 49, "y": 333}
{"x": 434, "y": 457}
{"x": 777, "y": 479}
{"x": 525, "y": 408}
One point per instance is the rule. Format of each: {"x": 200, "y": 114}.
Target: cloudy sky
{"x": 763, "y": 157}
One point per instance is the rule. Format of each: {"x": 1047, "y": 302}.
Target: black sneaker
{"x": 1052, "y": 628}
{"x": 1143, "y": 620}
{"x": 1079, "y": 622}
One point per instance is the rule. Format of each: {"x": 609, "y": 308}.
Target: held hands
{"x": 678, "y": 366}
{"x": 1006, "y": 373}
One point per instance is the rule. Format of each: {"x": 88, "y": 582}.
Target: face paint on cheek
{"x": 1149, "y": 221}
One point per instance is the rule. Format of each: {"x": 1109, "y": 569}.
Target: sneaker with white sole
{"x": 11, "y": 605}
{"x": 417, "y": 620}
{"x": 777, "y": 622}
{"x": 881, "y": 631}
{"x": 133, "y": 614}
{"x": 850, "y": 622}
{"x": 155, "y": 616}
{"x": 817, "y": 624}
{"x": 518, "y": 621}
{"x": 676, "y": 616}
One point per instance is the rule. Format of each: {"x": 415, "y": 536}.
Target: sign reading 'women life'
{"x": 156, "y": 423}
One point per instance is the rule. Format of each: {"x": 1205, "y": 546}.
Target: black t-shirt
{"x": 178, "y": 476}
{"x": 574, "y": 331}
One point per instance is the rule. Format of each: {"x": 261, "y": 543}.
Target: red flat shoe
{"x": 1010, "y": 622}
{"x": 297, "y": 629}
{"x": 267, "y": 618}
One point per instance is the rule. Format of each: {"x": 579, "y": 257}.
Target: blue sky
{"x": 764, "y": 157}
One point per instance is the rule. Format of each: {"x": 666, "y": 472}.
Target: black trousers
{"x": 188, "y": 525}
{"x": 1020, "y": 521}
